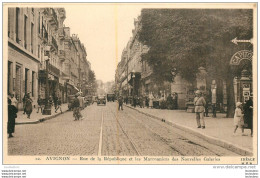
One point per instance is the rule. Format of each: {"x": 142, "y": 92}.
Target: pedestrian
{"x": 24, "y": 101}
{"x": 238, "y": 118}
{"x": 12, "y": 114}
{"x": 120, "y": 103}
{"x": 151, "y": 97}
{"x": 55, "y": 98}
{"x": 175, "y": 100}
{"x": 39, "y": 103}
{"x": 50, "y": 101}
{"x": 14, "y": 101}
{"x": 81, "y": 101}
{"x": 134, "y": 100}
{"x": 28, "y": 106}
{"x": 248, "y": 113}
{"x": 199, "y": 103}
{"x": 76, "y": 108}
{"x": 169, "y": 102}
{"x": 147, "y": 101}
{"x": 58, "y": 105}
{"x": 161, "y": 100}
{"x": 206, "y": 97}
{"x": 214, "y": 98}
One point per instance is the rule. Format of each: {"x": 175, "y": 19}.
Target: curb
{"x": 213, "y": 140}
{"x": 41, "y": 119}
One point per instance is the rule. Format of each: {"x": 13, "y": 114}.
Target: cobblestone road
{"x": 124, "y": 132}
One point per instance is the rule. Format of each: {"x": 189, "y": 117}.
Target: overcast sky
{"x": 96, "y": 26}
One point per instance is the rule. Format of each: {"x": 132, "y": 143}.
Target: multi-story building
{"x": 43, "y": 59}
{"x": 130, "y": 67}
{"x": 24, "y": 52}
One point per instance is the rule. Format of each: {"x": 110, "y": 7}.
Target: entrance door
{"x": 18, "y": 75}
{"x": 26, "y": 81}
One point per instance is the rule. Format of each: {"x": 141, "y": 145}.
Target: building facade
{"x": 43, "y": 59}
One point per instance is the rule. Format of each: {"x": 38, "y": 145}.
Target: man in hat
{"x": 199, "y": 103}
{"x": 75, "y": 106}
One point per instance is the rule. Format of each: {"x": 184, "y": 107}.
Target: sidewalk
{"x": 38, "y": 117}
{"x": 218, "y": 130}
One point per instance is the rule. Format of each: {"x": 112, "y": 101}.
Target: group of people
{"x": 150, "y": 101}
{"x": 56, "y": 101}
{"x": 243, "y": 116}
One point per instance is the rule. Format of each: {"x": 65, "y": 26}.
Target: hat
{"x": 198, "y": 92}
{"x": 238, "y": 104}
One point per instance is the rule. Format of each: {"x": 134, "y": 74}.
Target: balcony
{"x": 51, "y": 16}
{"x": 44, "y": 34}
{"x": 62, "y": 55}
{"x": 53, "y": 44}
{"x": 61, "y": 33}
{"x": 54, "y": 70}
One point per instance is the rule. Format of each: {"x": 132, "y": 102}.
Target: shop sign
{"x": 241, "y": 55}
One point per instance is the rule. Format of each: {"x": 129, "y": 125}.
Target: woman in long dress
{"x": 28, "y": 106}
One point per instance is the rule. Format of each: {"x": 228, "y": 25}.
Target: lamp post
{"x": 133, "y": 83}
{"x": 47, "y": 107}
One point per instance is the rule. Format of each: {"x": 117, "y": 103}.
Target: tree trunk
{"x": 230, "y": 97}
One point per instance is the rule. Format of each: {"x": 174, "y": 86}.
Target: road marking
{"x": 100, "y": 137}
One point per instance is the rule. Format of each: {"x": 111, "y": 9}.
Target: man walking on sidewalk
{"x": 58, "y": 105}
{"x": 199, "y": 103}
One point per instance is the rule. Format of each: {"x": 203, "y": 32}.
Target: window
{"x": 17, "y": 24}
{"x": 32, "y": 36}
{"x": 33, "y": 82}
{"x": 25, "y": 32}
{"x": 39, "y": 51}
{"x": 39, "y": 23}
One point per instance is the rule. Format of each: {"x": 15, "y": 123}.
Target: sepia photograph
{"x": 130, "y": 83}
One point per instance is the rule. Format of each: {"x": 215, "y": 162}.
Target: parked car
{"x": 111, "y": 97}
{"x": 101, "y": 99}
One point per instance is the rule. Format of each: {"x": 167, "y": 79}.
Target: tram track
{"x": 180, "y": 142}
{"x": 183, "y": 138}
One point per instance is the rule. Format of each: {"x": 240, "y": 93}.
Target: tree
{"x": 92, "y": 81}
{"x": 185, "y": 39}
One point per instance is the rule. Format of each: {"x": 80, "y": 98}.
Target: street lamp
{"x": 133, "y": 83}
{"x": 47, "y": 107}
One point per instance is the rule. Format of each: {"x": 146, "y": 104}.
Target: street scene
{"x": 155, "y": 82}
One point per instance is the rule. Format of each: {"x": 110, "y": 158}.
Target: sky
{"x": 105, "y": 31}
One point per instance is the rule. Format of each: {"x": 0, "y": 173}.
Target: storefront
{"x": 241, "y": 63}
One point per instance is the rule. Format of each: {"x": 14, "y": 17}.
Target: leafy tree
{"x": 185, "y": 39}
{"x": 92, "y": 80}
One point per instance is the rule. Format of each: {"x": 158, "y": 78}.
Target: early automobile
{"x": 101, "y": 99}
{"x": 111, "y": 97}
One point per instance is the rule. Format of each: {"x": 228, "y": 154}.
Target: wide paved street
{"x": 106, "y": 131}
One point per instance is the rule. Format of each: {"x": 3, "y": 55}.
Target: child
{"x": 238, "y": 117}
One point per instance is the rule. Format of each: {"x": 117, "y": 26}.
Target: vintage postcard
{"x": 130, "y": 83}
